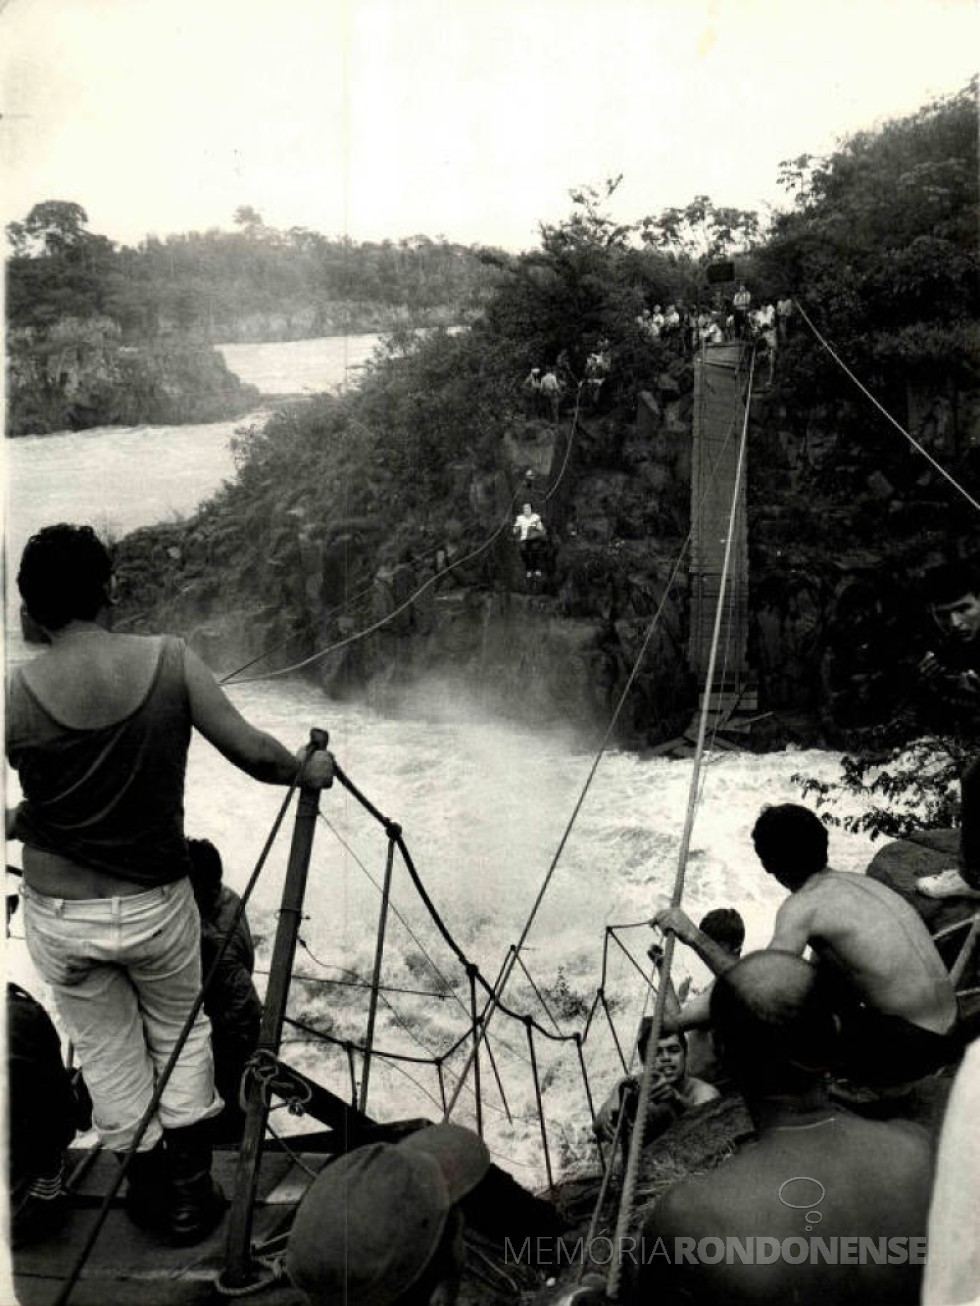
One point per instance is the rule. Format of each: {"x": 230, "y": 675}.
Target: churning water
{"x": 483, "y": 806}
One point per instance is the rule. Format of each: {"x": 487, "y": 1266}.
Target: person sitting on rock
{"x": 951, "y": 677}
{"x": 382, "y": 1226}
{"x": 673, "y": 1092}
{"x": 894, "y": 996}
{"x": 231, "y": 1003}
{"x": 814, "y": 1169}
{"x": 529, "y": 530}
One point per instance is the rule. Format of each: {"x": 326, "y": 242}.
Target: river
{"x": 483, "y": 805}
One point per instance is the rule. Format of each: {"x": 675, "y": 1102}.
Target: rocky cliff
{"x": 275, "y": 569}
{"x": 79, "y": 375}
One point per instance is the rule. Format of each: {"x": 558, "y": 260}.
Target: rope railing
{"x": 475, "y": 1015}
{"x": 468, "y": 966}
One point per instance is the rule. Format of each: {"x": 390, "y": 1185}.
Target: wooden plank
{"x": 105, "y": 1168}
{"x": 132, "y": 1267}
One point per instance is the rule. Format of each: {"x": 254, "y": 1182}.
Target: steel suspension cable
{"x": 885, "y": 413}
{"x": 646, "y": 1081}
{"x": 603, "y": 744}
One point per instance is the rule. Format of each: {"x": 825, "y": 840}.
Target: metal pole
{"x": 353, "y": 1074}
{"x": 500, "y": 1086}
{"x": 442, "y": 1083}
{"x": 393, "y": 832}
{"x": 537, "y": 1093}
{"x": 475, "y": 1054}
{"x": 239, "y": 1269}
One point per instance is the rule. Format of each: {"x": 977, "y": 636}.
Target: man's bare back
{"x": 875, "y": 941}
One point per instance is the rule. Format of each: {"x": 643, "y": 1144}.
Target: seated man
{"x": 825, "y": 1206}
{"x": 951, "y": 677}
{"x": 382, "y": 1225}
{"x": 725, "y": 926}
{"x": 231, "y": 1003}
{"x": 673, "y": 1091}
{"x": 894, "y": 994}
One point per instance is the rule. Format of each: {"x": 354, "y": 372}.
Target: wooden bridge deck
{"x": 129, "y": 1267}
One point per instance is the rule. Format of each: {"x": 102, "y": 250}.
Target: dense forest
{"x": 420, "y": 463}
{"x": 220, "y": 285}
{"x": 101, "y": 334}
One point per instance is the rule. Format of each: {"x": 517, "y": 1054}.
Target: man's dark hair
{"x": 773, "y": 1018}
{"x": 791, "y": 843}
{"x": 949, "y": 582}
{"x": 725, "y": 926}
{"x": 643, "y": 1039}
{"x": 206, "y": 870}
{"x": 64, "y": 575}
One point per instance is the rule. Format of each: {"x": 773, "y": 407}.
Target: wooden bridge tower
{"x": 721, "y": 376}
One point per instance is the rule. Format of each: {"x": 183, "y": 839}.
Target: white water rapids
{"x": 483, "y": 805}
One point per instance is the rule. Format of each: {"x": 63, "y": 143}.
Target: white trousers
{"x": 124, "y": 973}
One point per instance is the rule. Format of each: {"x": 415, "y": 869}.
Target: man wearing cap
{"x": 381, "y": 1226}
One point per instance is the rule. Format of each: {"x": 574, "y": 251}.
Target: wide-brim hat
{"x": 372, "y": 1220}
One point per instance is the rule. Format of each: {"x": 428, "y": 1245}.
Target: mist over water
{"x": 300, "y": 366}
{"x": 483, "y": 805}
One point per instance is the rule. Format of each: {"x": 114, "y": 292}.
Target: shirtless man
{"x": 866, "y": 1179}
{"x": 894, "y": 995}
{"x": 693, "y": 1016}
{"x": 674, "y": 1091}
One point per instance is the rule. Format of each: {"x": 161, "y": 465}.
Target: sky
{"x": 466, "y": 118}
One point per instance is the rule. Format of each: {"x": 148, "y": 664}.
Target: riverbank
{"x": 78, "y": 376}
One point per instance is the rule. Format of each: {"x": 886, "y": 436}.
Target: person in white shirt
{"x": 529, "y": 531}
{"x": 741, "y": 304}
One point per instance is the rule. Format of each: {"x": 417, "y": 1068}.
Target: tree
{"x": 702, "y": 231}
{"x": 880, "y": 249}
{"x": 56, "y": 225}
{"x": 248, "y": 218}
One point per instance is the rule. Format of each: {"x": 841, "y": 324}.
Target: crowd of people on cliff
{"x": 725, "y": 318}
{"x": 547, "y": 391}
{"x": 829, "y": 1033}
